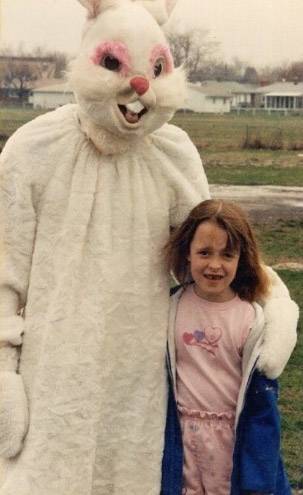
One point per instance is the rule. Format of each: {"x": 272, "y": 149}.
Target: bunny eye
{"x": 159, "y": 67}
{"x": 110, "y": 62}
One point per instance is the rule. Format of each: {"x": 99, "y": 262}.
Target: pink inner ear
{"x": 162, "y": 51}
{"x": 92, "y": 6}
{"x": 170, "y": 5}
{"x": 115, "y": 49}
{"x": 93, "y": 9}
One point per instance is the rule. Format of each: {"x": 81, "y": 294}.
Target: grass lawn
{"x": 291, "y": 393}
{"x": 251, "y": 175}
{"x": 228, "y": 131}
{"x": 11, "y": 118}
{"x": 281, "y": 242}
{"x": 220, "y": 138}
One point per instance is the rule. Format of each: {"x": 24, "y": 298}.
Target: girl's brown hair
{"x": 251, "y": 282}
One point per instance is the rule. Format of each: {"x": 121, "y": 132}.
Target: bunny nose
{"x": 139, "y": 84}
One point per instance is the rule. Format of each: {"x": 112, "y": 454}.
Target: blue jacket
{"x": 257, "y": 461}
{"x": 257, "y": 464}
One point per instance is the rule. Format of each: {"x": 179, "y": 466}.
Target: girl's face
{"x": 213, "y": 266}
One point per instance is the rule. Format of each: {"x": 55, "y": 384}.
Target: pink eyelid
{"x": 115, "y": 49}
{"x": 162, "y": 51}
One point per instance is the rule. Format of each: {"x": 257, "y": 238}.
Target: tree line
{"x": 199, "y": 54}
{"x": 194, "y": 49}
{"x": 20, "y": 69}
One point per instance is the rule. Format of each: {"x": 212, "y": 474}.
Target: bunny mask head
{"x": 124, "y": 77}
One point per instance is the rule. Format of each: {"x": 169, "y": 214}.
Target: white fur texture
{"x": 99, "y": 90}
{"x": 13, "y": 414}
{"x": 159, "y": 9}
{"x": 9, "y": 357}
{"x": 12, "y": 329}
{"x": 281, "y": 320}
{"x": 84, "y": 231}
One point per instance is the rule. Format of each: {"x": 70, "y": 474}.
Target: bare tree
{"x": 287, "y": 71}
{"x": 295, "y": 72}
{"x": 17, "y": 76}
{"x": 216, "y": 69}
{"x": 59, "y": 59}
{"x": 250, "y": 75}
{"x": 19, "y": 70}
{"x": 193, "y": 49}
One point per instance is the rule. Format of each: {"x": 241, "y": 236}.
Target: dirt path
{"x": 265, "y": 204}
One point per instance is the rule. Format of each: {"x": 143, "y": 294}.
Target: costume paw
{"x": 13, "y": 414}
{"x": 267, "y": 364}
{"x": 281, "y": 317}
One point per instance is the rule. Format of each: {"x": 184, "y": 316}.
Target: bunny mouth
{"x": 132, "y": 112}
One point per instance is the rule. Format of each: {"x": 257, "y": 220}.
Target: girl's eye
{"x": 158, "y": 67}
{"x": 203, "y": 253}
{"x": 111, "y": 63}
{"x": 229, "y": 255}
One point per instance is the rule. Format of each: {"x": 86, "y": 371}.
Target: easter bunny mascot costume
{"x": 88, "y": 195}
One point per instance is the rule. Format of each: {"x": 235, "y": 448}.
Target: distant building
{"x": 287, "y": 96}
{"x": 243, "y": 94}
{"x": 18, "y": 74}
{"x": 202, "y": 99}
{"x": 52, "y": 96}
{"x": 220, "y": 96}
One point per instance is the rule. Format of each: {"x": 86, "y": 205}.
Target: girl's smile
{"x": 213, "y": 264}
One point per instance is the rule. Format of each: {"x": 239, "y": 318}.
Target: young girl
{"x": 226, "y": 407}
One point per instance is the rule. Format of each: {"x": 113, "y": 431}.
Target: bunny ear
{"x": 159, "y": 9}
{"x": 92, "y": 6}
{"x": 170, "y": 4}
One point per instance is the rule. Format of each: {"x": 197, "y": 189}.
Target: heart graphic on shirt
{"x": 213, "y": 334}
{"x": 188, "y": 338}
{"x": 206, "y": 339}
{"x": 199, "y": 335}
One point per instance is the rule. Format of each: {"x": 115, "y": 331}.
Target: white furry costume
{"x": 88, "y": 194}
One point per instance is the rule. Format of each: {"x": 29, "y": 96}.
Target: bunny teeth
{"x": 135, "y": 107}
{"x": 132, "y": 111}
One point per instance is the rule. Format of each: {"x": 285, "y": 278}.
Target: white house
{"x": 287, "y": 96}
{"x": 243, "y": 94}
{"x": 220, "y": 96}
{"x": 52, "y": 96}
{"x": 207, "y": 99}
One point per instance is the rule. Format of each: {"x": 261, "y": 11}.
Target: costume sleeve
{"x": 281, "y": 318}
{"x": 17, "y": 231}
{"x": 257, "y": 462}
{"x": 191, "y": 186}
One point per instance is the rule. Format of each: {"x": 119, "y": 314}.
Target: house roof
{"x": 232, "y": 86}
{"x": 282, "y": 89}
{"x": 285, "y": 93}
{"x": 62, "y": 87}
{"x": 21, "y": 58}
{"x": 45, "y": 81}
{"x": 211, "y": 91}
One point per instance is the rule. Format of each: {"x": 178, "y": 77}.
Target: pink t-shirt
{"x": 209, "y": 342}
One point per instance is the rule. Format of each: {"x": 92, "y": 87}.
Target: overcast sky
{"x": 259, "y": 32}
